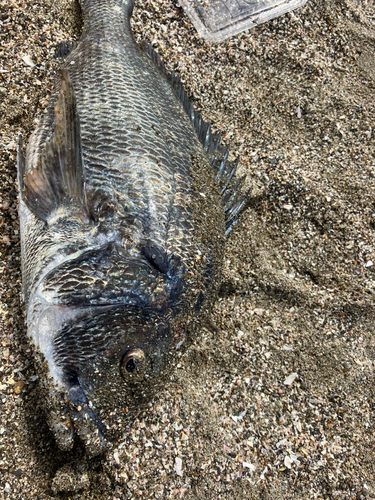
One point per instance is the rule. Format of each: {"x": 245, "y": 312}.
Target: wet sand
{"x": 279, "y": 403}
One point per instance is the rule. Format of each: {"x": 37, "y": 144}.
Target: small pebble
{"x": 290, "y": 379}
{"x": 18, "y": 386}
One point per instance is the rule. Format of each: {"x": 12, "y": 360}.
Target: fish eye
{"x": 130, "y": 366}
{"x": 133, "y": 364}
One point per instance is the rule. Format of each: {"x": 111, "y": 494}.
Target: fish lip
{"x": 86, "y": 421}
{"x": 76, "y": 395}
{"x": 90, "y": 430}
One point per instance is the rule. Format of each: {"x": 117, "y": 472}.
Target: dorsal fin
{"x": 233, "y": 199}
{"x": 57, "y": 180}
{"x": 209, "y": 141}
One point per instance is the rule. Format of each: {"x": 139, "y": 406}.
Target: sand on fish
{"x": 278, "y": 404}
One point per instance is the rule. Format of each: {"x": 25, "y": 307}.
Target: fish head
{"x": 104, "y": 336}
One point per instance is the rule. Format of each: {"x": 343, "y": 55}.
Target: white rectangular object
{"x": 216, "y": 20}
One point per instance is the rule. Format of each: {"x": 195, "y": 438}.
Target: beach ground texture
{"x": 279, "y": 403}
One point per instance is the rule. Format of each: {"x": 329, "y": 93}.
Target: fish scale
{"x": 140, "y": 132}
{"x": 132, "y": 181}
{"x": 125, "y": 198}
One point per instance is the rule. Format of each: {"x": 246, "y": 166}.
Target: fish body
{"x": 125, "y": 198}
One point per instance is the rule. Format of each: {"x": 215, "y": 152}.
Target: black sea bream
{"x": 125, "y": 199}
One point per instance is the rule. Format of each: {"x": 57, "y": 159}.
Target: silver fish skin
{"x": 125, "y": 198}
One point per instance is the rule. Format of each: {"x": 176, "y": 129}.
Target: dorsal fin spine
{"x": 225, "y": 170}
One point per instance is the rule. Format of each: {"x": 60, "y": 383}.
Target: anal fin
{"x": 57, "y": 179}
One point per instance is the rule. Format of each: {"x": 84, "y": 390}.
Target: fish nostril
{"x": 133, "y": 364}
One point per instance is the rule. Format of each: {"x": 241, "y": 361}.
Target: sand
{"x": 278, "y": 404}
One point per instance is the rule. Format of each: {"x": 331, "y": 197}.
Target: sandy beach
{"x": 279, "y": 403}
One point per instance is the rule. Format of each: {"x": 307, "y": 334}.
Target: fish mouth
{"x": 73, "y": 416}
{"x": 99, "y": 393}
{"x": 86, "y": 423}
{"x": 85, "y": 403}
{"x": 103, "y": 360}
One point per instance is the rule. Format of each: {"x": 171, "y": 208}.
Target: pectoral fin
{"x": 58, "y": 179}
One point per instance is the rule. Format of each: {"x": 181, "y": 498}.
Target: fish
{"x": 126, "y": 198}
